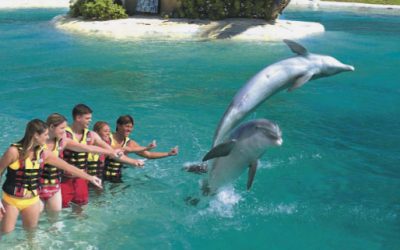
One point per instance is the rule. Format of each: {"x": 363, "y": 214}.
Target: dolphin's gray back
{"x": 259, "y": 88}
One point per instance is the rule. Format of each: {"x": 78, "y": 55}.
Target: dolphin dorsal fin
{"x": 296, "y": 48}
{"x": 220, "y": 150}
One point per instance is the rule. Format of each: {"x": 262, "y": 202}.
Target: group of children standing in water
{"x": 53, "y": 163}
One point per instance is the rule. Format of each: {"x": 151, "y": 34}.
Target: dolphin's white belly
{"x": 226, "y": 169}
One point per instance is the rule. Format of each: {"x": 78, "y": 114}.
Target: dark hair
{"x": 55, "y": 119}
{"x": 80, "y": 109}
{"x": 99, "y": 125}
{"x": 123, "y": 120}
{"x": 34, "y": 126}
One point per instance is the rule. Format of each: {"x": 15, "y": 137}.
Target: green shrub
{"x": 97, "y": 10}
{"x": 220, "y": 9}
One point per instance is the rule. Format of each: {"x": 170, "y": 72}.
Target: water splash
{"x": 224, "y": 202}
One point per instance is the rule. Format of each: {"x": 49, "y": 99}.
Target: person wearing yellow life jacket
{"x": 120, "y": 140}
{"x": 97, "y": 162}
{"x": 24, "y": 162}
{"x": 76, "y": 189}
{"x": 50, "y": 191}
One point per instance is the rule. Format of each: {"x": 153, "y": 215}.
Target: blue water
{"x": 334, "y": 183}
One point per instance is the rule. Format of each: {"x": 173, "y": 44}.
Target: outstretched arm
{"x": 153, "y": 155}
{"x": 131, "y": 161}
{"x": 136, "y": 148}
{"x": 61, "y": 164}
{"x": 78, "y": 147}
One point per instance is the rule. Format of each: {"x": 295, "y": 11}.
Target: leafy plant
{"x": 220, "y": 9}
{"x": 97, "y": 10}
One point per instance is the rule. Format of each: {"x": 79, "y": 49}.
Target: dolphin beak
{"x": 349, "y": 68}
{"x": 279, "y": 142}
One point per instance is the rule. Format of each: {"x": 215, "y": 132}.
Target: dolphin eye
{"x": 273, "y": 136}
{"x": 270, "y": 134}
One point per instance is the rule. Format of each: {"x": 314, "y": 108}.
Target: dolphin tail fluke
{"x": 252, "y": 173}
{"x": 296, "y": 48}
{"x": 220, "y": 150}
{"x": 198, "y": 168}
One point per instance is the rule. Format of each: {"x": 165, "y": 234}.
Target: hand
{"x": 174, "y": 151}
{"x": 152, "y": 145}
{"x": 96, "y": 181}
{"x": 118, "y": 153}
{"x": 125, "y": 150}
{"x": 2, "y": 210}
{"x": 139, "y": 163}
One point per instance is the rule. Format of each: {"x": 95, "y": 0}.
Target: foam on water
{"x": 223, "y": 203}
{"x": 272, "y": 209}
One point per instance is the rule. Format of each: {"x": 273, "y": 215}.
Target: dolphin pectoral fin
{"x": 252, "y": 173}
{"x": 220, "y": 150}
{"x": 296, "y": 48}
{"x": 301, "y": 81}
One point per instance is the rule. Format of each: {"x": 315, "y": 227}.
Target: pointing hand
{"x": 96, "y": 181}
{"x": 174, "y": 151}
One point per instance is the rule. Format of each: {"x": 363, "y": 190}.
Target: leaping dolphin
{"x": 289, "y": 74}
{"x": 246, "y": 144}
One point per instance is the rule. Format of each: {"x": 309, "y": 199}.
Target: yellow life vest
{"x": 78, "y": 159}
{"x": 23, "y": 175}
{"x": 52, "y": 175}
{"x": 112, "y": 167}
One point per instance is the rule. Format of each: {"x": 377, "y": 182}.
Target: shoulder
{"x": 131, "y": 142}
{"x": 92, "y": 134}
{"x": 47, "y": 153}
{"x": 12, "y": 151}
{"x": 11, "y": 154}
{"x": 63, "y": 141}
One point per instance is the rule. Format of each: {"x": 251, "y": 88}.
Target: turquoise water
{"x": 334, "y": 183}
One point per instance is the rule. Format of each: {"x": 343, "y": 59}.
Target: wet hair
{"x": 55, "y": 119}
{"x": 99, "y": 125}
{"x": 27, "y": 142}
{"x": 80, "y": 109}
{"x": 125, "y": 119}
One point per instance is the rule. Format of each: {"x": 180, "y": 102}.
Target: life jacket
{"x": 52, "y": 175}
{"x": 23, "y": 175}
{"x": 113, "y": 167}
{"x": 96, "y": 163}
{"x": 77, "y": 159}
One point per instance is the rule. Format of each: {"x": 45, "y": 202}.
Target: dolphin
{"x": 246, "y": 144}
{"x": 290, "y": 73}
